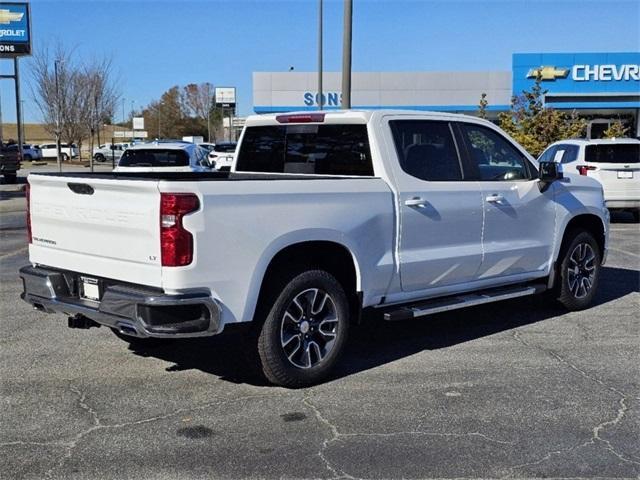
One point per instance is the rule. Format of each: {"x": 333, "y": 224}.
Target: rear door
{"x": 617, "y": 167}
{"x": 103, "y": 227}
{"x": 440, "y": 213}
{"x": 519, "y": 220}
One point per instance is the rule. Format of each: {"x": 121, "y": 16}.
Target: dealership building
{"x": 602, "y": 87}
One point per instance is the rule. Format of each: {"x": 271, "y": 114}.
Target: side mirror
{"x": 550, "y": 171}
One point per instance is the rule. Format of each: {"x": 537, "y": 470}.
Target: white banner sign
{"x": 138, "y": 123}
{"x": 130, "y": 134}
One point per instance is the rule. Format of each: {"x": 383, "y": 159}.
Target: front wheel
{"x": 579, "y": 271}
{"x": 64, "y": 157}
{"x": 304, "y": 331}
{"x": 99, "y": 158}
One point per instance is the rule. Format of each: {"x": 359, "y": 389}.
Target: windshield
{"x": 610, "y": 153}
{"x": 154, "y": 158}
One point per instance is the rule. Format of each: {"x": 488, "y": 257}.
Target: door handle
{"x": 416, "y": 202}
{"x": 494, "y": 198}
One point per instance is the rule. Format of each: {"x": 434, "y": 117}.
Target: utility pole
{"x": 320, "y": 95}
{"x": 58, "y": 154}
{"x": 1, "y": 136}
{"x": 346, "y": 55}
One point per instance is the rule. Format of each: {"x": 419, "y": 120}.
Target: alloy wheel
{"x": 309, "y": 328}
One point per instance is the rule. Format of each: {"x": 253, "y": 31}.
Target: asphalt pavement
{"x": 518, "y": 389}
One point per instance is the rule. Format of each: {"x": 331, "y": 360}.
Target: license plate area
{"x": 90, "y": 289}
{"x": 625, "y": 174}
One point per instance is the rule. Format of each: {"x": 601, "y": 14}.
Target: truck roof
{"x": 355, "y": 116}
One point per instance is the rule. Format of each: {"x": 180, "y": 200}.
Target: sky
{"x": 155, "y": 45}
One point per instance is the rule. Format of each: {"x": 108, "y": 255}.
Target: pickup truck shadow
{"x": 376, "y": 342}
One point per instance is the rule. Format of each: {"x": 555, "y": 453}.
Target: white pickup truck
{"x": 324, "y": 215}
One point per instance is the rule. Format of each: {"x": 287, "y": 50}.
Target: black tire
{"x": 10, "y": 177}
{"x": 64, "y": 157}
{"x": 99, "y": 158}
{"x": 579, "y": 260}
{"x": 27, "y": 158}
{"x": 141, "y": 343}
{"x": 315, "y": 340}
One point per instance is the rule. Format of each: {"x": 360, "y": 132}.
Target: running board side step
{"x": 428, "y": 307}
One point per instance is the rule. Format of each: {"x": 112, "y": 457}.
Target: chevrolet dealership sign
{"x": 15, "y": 30}
{"x": 605, "y": 73}
{"x": 578, "y": 73}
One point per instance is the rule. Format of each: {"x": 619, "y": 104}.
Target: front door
{"x": 440, "y": 213}
{"x": 519, "y": 224}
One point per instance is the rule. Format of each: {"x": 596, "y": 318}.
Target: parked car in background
{"x": 164, "y": 157}
{"x": 67, "y": 151}
{"x": 614, "y": 163}
{"x": 108, "y": 152}
{"x": 31, "y": 152}
{"x": 221, "y": 157}
{"x": 9, "y": 162}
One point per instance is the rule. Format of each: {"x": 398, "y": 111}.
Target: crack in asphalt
{"x": 72, "y": 443}
{"x": 336, "y": 435}
{"x": 595, "y": 439}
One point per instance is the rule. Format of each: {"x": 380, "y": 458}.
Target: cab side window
{"x": 427, "y": 150}
{"x": 495, "y": 158}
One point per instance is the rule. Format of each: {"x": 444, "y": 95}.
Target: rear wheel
{"x": 64, "y": 157}
{"x": 305, "y": 330}
{"x": 579, "y": 271}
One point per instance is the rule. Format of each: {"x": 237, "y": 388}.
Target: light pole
{"x": 132, "y": 135}
{"x": 58, "y": 153}
{"x": 346, "y": 55}
{"x": 320, "y": 96}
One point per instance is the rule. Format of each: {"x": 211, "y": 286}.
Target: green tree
{"x": 535, "y": 126}
{"x": 616, "y": 130}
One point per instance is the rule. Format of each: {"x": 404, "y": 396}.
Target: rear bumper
{"x": 134, "y": 310}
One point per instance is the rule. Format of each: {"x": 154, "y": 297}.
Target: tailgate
{"x": 103, "y": 227}
{"x": 619, "y": 181}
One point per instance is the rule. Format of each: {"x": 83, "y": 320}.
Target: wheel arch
{"x": 589, "y": 222}
{"x": 329, "y": 255}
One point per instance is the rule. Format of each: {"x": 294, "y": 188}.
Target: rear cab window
{"x": 154, "y": 158}
{"x": 320, "y": 149}
{"x": 613, "y": 153}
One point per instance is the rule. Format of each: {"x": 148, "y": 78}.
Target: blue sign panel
{"x": 593, "y": 80}
{"x": 15, "y": 35}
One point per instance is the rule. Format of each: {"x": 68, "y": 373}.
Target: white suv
{"x": 614, "y": 163}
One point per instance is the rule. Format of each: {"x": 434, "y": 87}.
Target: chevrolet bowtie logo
{"x": 7, "y": 16}
{"x": 548, "y": 73}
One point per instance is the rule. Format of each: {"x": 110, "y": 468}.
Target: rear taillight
{"x": 27, "y": 194}
{"x": 176, "y": 243}
{"x": 584, "y": 169}
{"x": 301, "y": 118}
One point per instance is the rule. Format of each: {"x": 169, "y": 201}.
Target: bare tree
{"x": 83, "y": 95}
{"x": 197, "y": 100}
